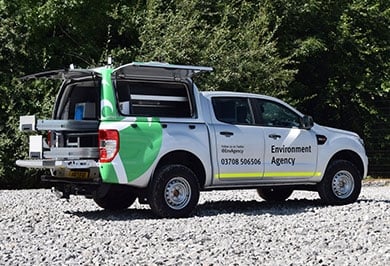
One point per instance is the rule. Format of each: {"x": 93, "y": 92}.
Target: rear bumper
{"x": 72, "y": 176}
{"x": 70, "y": 181}
{"x": 64, "y": 187}
{"x": 60, "y": 164}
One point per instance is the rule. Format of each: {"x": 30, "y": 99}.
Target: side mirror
{"x": 307, "y": 122}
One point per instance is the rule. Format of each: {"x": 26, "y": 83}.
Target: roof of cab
{"x": 211, "y": 94}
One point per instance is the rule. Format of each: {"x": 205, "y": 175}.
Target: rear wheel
{"x": 117, "y": 197}
{"x": 341, "y": 183}
{"x": 274, "y": 193}
{"x": 173, "y": 192}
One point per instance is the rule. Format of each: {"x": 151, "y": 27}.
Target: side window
{"x": 273, "y": 114}
{"x": 233, "y": 110}
{"x": 162, "y": 99}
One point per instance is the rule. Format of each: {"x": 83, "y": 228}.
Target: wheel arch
{"x": 185, "y": 158}
{"x": 350, "y": 156}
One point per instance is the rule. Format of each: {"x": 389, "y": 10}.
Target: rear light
{"x": 48, "y": 138}
{"x": 108, "y": 145}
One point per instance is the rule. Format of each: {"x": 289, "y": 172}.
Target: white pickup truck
{"x": 143, "y": 130}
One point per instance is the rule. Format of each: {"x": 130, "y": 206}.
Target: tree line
{"x": 330, "y": 59}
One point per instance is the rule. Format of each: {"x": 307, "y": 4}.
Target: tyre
{"x": 117, "y": 197}
{"x": 274, "y": 193}
{"x": 173, "y": 192}
{"x": 341, "y": 183}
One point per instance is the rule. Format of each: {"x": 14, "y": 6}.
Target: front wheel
{"x": 173, "y": 192}
{"x": 341, "y": 183}
{"x": 274, "y": 193}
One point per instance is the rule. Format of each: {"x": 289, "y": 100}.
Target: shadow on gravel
{"x": 123, "y": 215}
{"x": 254, "y": 207}
{"x": 373, "y": 200}
{"x": 207, "y": 209}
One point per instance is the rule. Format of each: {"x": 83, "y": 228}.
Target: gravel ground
{"x": 229, "y": 227}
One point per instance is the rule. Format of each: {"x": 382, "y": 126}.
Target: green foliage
{"x": 39, "y": 35}
{"x": 329, "y": 58}
{"x": 342, "y": 53}
{"x": 233, "y": 37}
{"x": 17, "y": 101}
{"x": 364, "y": 74}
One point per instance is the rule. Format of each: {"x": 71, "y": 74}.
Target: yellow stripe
{"x": 292, "y": 174}
{"x": 269, "y": 174}
{"x": 239, "y": 175}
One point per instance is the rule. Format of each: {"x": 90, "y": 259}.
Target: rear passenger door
{"x": 239, "y": 143}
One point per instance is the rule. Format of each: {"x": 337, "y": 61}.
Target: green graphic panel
{"x": 108, "y": 103}
{"x": 140, "y": 141}
{"x": 140, "y": 146}
{"x": 107, "y": 173}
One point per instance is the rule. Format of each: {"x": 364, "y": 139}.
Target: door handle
{"x": 274, "y": 136}
{"x": 226, "y": 133}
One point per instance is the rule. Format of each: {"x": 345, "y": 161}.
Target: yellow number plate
{"x": 78, "y": 174}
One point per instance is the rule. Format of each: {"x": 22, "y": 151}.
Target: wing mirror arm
{"x": 307, "y": 122}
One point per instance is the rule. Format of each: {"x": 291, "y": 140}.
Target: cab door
{"x": 239, "y": 143}
{"x": 290, "y": 151}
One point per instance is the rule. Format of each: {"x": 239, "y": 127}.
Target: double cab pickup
{"x": 144, "y": 130}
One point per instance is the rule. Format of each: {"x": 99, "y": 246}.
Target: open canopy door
{"x": 63, "y": 74}
{"x": 157, "y": 70}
